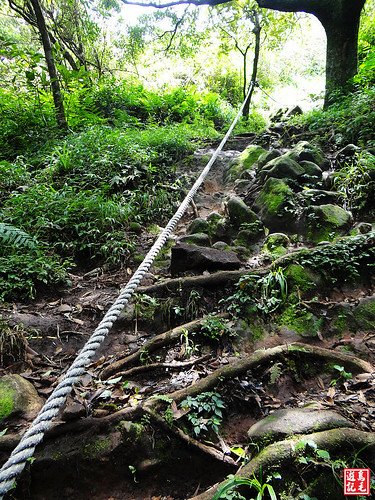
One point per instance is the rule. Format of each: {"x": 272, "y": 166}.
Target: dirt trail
{"x": 96, "y": 454}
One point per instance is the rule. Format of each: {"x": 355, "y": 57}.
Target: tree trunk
{"x": 256, "y": 31}
{"x": 55, "y": 86}
{"x": 342, "y": 43}
{"x": 340, "y": 19}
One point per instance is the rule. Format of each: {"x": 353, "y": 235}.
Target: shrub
{"x": 80, "y": 224}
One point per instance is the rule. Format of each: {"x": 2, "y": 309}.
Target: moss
{"x": 97, "y": 447}
{"x": 244, "y": 162}
{"x": 302, "y": 278}
{"x": 276, "y": 203}
{"x": 326, "y": 222}
{"x": 364, "y": 314}
{"x": 301, "y": 321}
{"x": 7, "y": 399}
{"x": 131, "y": 431}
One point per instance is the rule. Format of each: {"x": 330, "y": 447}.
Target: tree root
{"x": 157, "y": 366}
{"x": 343, "y": 440}
{"x": 261, "y": 357}
{"x": 152, "y": 345}
{"x": 181, "y": 435}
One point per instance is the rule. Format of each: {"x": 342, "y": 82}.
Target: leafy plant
{"x": 227, "y": 490}
{"x": 342, "y": 376}
{"x": 13, "y": 236}
{"x": 188, "y": 344}
{"x": 214, "y": 328}
{"x": 205, "y": 412}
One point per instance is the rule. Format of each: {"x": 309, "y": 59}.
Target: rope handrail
{"x": 34, "y": 435}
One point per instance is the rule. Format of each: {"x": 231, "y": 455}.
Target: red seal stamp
{"x": 357, "y": 482}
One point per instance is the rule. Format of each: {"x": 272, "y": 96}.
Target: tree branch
{"x": 160, "y": 5}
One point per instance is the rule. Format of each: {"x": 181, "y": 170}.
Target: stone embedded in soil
{"x": 276, "y": 244}
{"x": 190, "y": 257}
{"x": 282, "y": 167}
{"x": 361, "y": 228}
{"x": 304, "y": 151}
{"x": 18, "y": 397}
{"x": 198, "y": 225}
{"x": 275, "y": 202}
{"x": 267, "y": 157}
{"x": 283, "y": 423}
{"x": 244, "y": 162}
{"x": 319, "y": 197}
{"x": 325, "y": 222}
{"x": 239, "y": 213}
{"x": 200, "y": 239}
{"x": 312, "y": 173}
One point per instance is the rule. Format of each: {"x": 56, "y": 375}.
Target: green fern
{"x": 10, "y": 235}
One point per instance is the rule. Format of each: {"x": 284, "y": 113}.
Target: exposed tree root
{"x": 261, "y": 357}
{"x": 152, "y": 345}
{"x": 281, "y": 454}
{"x": 157, "y": 366}
{"x": 176, "y": 431}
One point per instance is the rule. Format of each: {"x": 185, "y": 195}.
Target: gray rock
{"x": 190, "y": 257}
{"x": 18, "y": 397}
{"x": 325, "y": 222}
{"x": 311, "y": 171}
{"x": 239, "y": 213}
{"x": 220, "y": 245}
{"x": 319, "y": 196}
{"x": 282, "y": 167}
{"x": 275, "y": 202}
{"x": 283, "y": 423}
{"x": 361, "y": 228}
{"x": 198, "y": 225}
{"x": 214, "y": 217}
{"x": 348, "y": 151}
{"x": 304, "y": 151}
{"x": 267, "y": 157}
{"x": 201, "y": 239}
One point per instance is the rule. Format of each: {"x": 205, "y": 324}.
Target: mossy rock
{"x": 18, "y": 397}
{"x": 200, "y": 239}
{"x": 282, "y": 167}
{"x": 312, "y": 173}
{"x": 300, "y": 321}
{"x": 304, "y": 151}
{"x": 361, "y": 228}
{"x": 239, "y": 213}
{"x": 198, "y": 225}
{"x": 302, "y": 278}
{"x": 319, "y": 197}
{"x": 266, "y": 157}
{"x": 276, "y": 203}
{"x": 244, "y": 162}
{"x": 276, "y": 245}
{"x": 326, "y": 222}
{"x": 364, "y": 314}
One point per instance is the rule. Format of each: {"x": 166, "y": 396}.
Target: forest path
{"x": 159, "y": 344}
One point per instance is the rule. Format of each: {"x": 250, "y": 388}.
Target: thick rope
{"x": 34, "y": 435}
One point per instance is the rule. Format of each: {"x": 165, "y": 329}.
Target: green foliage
{"x": 214, "y": 328}
{"x": 205, "y": 411}
{"x": 354, "y": 180}
{"x": 23, "y": 273}
{"x": 188, "y": 344}
{"x": 344, "y": 261}
{"x": 12, "y": 236}
{"x": 227, "y": 490}
{"x": 352, "y": 116}
{"x": 78, "y": 224}
{"x": 259, "y": 294}
{"x": 12, "y": 176}
{"x": 343, "y": 375}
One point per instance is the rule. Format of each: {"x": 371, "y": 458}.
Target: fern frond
{"x": 10, "y": 235}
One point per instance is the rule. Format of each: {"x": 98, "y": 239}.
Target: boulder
{"x": 198, "y": 225}
{"x": 312, "y": 173}
{"x": 275, "y": 203}
{"x": 267, "y": 157}
{"x": 190, "y": 257}
{"x": 282, "y": 167}
{"x": 18, "y": 397}
{"x": 244, "y": 162}
{"x": 283, "y": 423}
{"x": 325, "y": 222}
{"x": 319, "y": 197}
{"x": 276, "y": 244}
{"x": 239, "y": 213}
{"x": 200, "y": 239}
{"x": 364, "y": 314}
{"x": 304, "y": 151}
{"x": 361, "y": 228}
